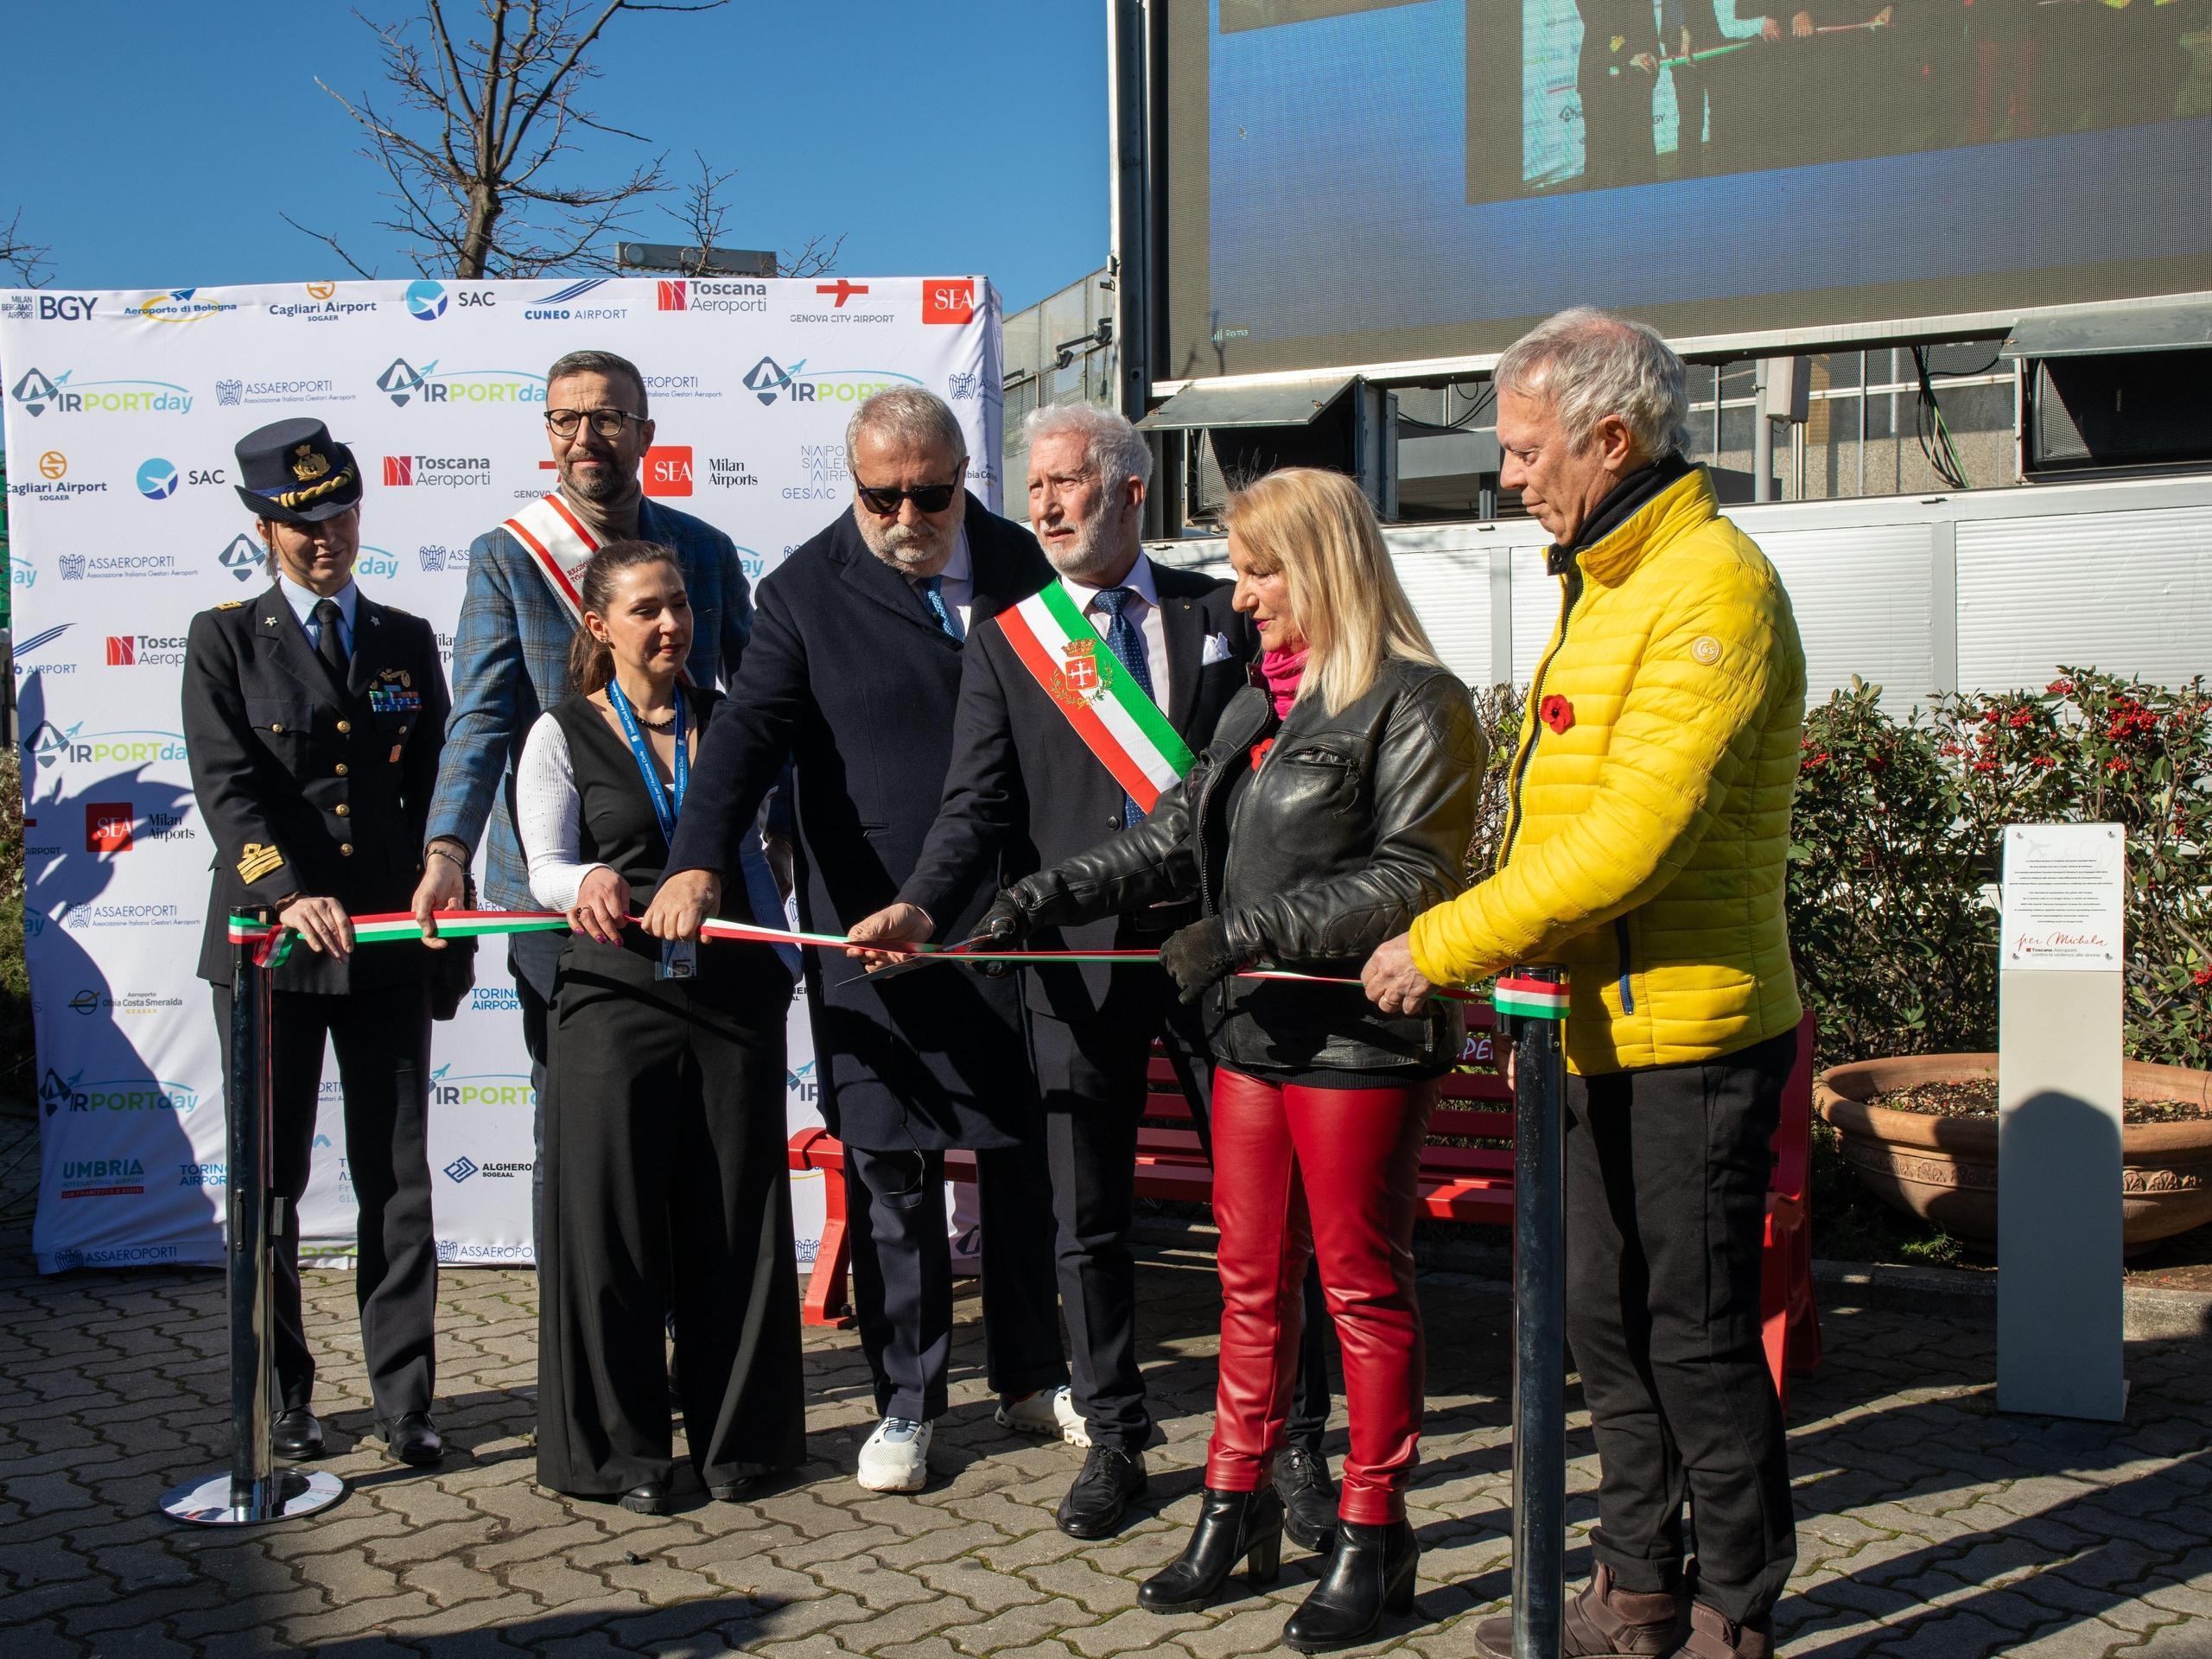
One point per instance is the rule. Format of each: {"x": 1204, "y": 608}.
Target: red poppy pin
{"x": 1556, "y": 712}
{"x": 1260, "y": 751}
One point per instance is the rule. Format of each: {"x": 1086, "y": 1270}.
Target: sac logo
{"x": 426, "y": 301}
{"x": 156, "y": 480}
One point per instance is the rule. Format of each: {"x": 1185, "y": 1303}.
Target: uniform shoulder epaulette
{"x": 395, "y": 610}
{"x": 233, "y": 605}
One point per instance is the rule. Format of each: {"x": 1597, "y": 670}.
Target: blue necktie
{"x": 933, "y": 590}
{"x": 1126, "y": 640}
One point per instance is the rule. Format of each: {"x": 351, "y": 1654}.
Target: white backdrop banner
{"x": 121, "y": 413}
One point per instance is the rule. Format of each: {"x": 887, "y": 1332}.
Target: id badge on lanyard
{"x": 679, "y": 958}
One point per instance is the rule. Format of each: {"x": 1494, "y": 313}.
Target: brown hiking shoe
{"x": 1713, "y": 1637}
{"x": 1605, "y": 1621}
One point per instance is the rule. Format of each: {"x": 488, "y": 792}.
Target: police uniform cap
{"x": 296, "y": 472}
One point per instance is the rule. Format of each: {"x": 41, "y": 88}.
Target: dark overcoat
{"x": 849, "y": 677}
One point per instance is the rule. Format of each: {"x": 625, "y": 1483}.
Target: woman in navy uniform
{"x": 314, "y": 716}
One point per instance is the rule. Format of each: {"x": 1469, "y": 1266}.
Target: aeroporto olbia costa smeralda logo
{"x": 429, "y": 386}
{"x": 38, "y": 393}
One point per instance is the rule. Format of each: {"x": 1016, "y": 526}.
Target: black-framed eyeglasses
{"x": 929, "y": 498}
{"x": 607, "y": 423}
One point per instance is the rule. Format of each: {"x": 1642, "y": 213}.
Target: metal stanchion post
{"x": 254, "y": 1489}
{"x": 1539, "y": 1309}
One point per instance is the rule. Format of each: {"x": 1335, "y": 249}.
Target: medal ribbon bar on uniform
{"x": 1100, "y": 699}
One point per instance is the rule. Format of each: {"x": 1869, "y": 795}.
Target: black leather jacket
{"x": 1353, "y": 825}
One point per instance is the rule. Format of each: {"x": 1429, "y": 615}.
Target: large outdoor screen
{"x": 1369, "y": 181}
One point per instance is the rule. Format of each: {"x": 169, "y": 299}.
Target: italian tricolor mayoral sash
{"x": 1101, "y": 700}
{"x": 558, "y": 544}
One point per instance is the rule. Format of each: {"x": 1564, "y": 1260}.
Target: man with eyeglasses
{"x": 854, "y": 673}
{"x": 510, "y": 654}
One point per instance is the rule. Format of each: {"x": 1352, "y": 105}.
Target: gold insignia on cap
{"x": 330, "y": 486}
{"x": 258, "y": 860}
{"x": 305, "y": 464}
{"x": 1706, "y": 649}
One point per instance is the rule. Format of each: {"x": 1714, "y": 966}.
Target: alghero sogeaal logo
{"x": 37, "y": 392}
{"x": 769, "y": 381}
{"x": 49, "y": 745}
{"x": 429, "y": 387}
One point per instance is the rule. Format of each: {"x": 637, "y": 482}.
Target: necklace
{"x": 668, "y": 725}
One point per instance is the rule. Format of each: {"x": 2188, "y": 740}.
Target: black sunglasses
{"x": 930, "y": 498}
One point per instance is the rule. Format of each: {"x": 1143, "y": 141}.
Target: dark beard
{"x": 601, "y": 489}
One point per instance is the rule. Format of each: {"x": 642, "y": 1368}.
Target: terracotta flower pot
{"x": 1944, "y": 1169}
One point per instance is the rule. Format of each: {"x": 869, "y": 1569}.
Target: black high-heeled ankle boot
{"x": 1232, "y": 1527}
{"x": 1371, "y": 1572}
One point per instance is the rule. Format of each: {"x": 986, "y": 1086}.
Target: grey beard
{"x": 604, "y": 487}
{"x": 1093, "y": 555}
{"x": 901, "y": 546}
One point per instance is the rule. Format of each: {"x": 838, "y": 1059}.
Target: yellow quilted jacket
{"x": 1649, "y": 825}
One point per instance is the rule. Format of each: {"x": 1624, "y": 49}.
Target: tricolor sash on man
{"x": 558, "y": 544}
{"x": 1100, "y": 698}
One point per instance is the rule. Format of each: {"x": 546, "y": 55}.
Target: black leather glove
{"x": 1198, "y": 956}
{"x": 1004, "y": 926}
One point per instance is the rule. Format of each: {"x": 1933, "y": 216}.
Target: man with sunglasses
{"x": 853, "y": 674}
{"x": 510, "y": 653}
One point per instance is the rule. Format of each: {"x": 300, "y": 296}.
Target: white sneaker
{"x": 897, "y": 1457}
{"x": 1051, "y": 1414}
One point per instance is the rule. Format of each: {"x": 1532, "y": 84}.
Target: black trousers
{"x": 666, "y": 1192}
{"x": 382, "y": 1040}
{"x": 535, "y": 961}
{"x": 1667, "y": 1173}
{"x": 1074, "y": 1223}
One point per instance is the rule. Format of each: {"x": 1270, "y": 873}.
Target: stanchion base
{"x": 207, "y": 1503}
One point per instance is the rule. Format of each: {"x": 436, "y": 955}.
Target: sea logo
{"x": 181, "y": 305}
{"x": 157, "y": 480}
{"x": 946, "y": 299}
{"x": 107, "y": 824}
{"x": 229, "y": 393}
{"x": 668, "y": 469}
{"x": 243, "y": 557}
{"x": 426, "y": 301}
{"x": 460, "y": 1170}
{"x": 55, "y": 1091}
{"x": 37, "y": 392}
{"x": 672, "y": 296}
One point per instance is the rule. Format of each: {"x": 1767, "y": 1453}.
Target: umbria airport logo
{"x": 37, "y": 392}
{"x": 429, "y": 387}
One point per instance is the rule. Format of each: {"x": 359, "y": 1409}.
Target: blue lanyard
{"x": 663, "y": 809}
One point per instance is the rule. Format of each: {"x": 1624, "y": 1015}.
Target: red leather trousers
{"x": 1299, "y": 1172}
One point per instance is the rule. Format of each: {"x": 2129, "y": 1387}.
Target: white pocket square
{"x": 1216, "y": 650}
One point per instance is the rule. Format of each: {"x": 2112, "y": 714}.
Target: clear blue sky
{"x": 154, "y": 145}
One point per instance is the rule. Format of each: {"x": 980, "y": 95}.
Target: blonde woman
{"x": 1333, "y": 805}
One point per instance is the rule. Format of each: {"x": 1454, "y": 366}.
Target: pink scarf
{"x": 1282, "y": 670}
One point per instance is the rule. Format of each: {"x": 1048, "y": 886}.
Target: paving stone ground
{"x": 1929, "y": 1527}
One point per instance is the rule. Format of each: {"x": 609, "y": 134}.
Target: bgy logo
{"x": 37, "y": 392}
{"x": 50, "y": 308}
{"x": 668, "y": 469}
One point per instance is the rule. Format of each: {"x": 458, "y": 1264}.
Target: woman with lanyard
{"x": 665, "y": 1185}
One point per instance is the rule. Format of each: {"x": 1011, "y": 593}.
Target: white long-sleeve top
{"x": 548, "y": 822}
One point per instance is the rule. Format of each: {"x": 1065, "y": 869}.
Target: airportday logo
{"x": 243, "y": 557}
{"x": 376, "y": 562}
{"x": 768, "y": 380}
{"x": 56, "y": 1092}
{"x": 404, "y": 384}
{"x": 37, "y": 392}
{"x": 481, "y": 1088}
{"x": 50, "y": 746}
{"x": 180, "y": 305}
{"x": 565, "y": 304}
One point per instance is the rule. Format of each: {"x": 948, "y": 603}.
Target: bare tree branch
{"x": 484, "y": 131}
{"x": 27, "y": 259}
{"x": 705, "y": 214}
{"x": 817, "y": 257}
{"x": 330, "y": 242}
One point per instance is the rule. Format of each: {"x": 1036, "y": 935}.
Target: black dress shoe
{"x": 1232, "y": 1527}
{"x": 1309, "y": 1498}
{"x": 413, "y": 1438}
{"x": 296, "y": 1435}
{"x": 1095, "y": 1505}
{"x": 654, "y": 1497}
{"x": 1370, "y": 1572}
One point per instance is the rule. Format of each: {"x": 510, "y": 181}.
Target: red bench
{"x": 1458, "y": 1183}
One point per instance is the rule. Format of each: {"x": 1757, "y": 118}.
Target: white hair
{"x": 1115, "y": 450}
{"x": 911, "y": 415}
{"x": 1591, "y": 364}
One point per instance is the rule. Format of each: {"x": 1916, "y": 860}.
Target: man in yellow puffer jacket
{"x": 1645, "y": 849}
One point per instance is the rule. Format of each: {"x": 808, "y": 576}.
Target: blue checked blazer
{"x": 510, "y": 663}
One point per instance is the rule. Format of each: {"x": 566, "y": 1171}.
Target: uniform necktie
{"x": 330, "y": 646}
{"x": 1126, "y": 640}
{"x": 933, "y": 590}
